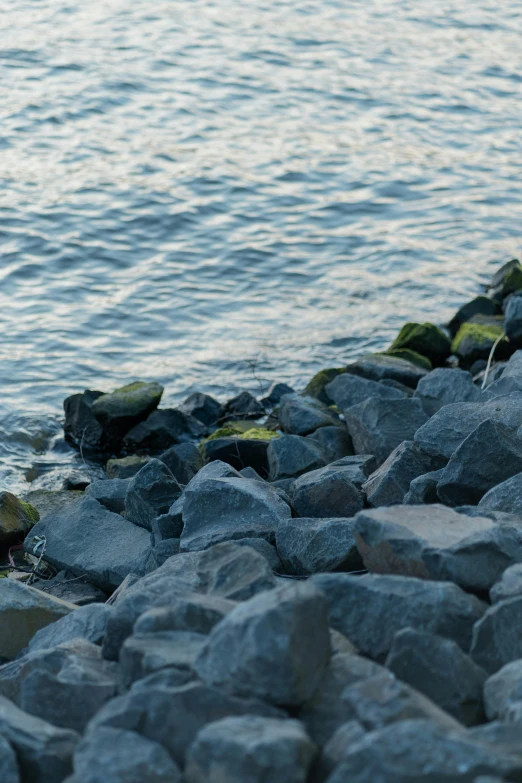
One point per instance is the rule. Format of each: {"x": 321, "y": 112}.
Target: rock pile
{"x": 315, "y": 587}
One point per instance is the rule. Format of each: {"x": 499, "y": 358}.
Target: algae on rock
{"x": 474, "y": 341}
{"x": 316, "y": 386}
{"x": 16, "y": 517}
{"x": 424, "y": 339}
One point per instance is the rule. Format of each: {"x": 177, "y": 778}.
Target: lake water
{"x": 218, "y": 194}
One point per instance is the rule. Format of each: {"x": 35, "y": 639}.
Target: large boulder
{"x": 299, "y": 415}
{"x": 389, "y": 484}
{"x": 327, "y": 492}
{"x": 292, "y": 455}
{"x": 16, "y": 518}
{"x": 91, "y": 541}
{"x": 243, "y": 406}
{"x": 426, "y": 339}
{"x": 444, "y": 386}
{"x": 347, "y": 390}
{"x": 475, "y": 341}
{"x": 274, "y": 647}
{"x": 311, "y": 546}
{"x": 123, "y": 408}
{"x": 377, "y": 426}
{"x": 183, "y": 460}
{"x": 150, "y": 493}
{"x": 370, "y": 609}
{"x": 161, "y": 430}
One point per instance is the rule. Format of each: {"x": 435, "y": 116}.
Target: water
{"x": 217, "y": 194}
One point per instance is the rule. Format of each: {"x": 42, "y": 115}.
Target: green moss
{"x": 224, "y": 432}
{"x": 31, "y": 512}
{"x": 483, "y": 336}
{"x": 507, "y": 279}
{"x": 424, "y": 339}
{"x": 259, "y": 433}
{"x": 16, "y": 517}
{"x": 231, "y": 431}
{"x": 316, "y": 386}
{"x": 410, "y": 356}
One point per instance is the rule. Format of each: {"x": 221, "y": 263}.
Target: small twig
{"x": 490, "y": 359}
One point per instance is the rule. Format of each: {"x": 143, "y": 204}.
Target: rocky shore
{"x": 318, "y": 586}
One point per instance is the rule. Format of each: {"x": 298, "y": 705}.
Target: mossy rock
{"x": 506, "y": 280}
{"x": 480, "y": 305}
{"x": 475, "y": 341}
{"x": 259, "y": 433}
{"x": 16, "y": 517}
{"x": 230, "y": 431}
{"x": 410, "y": 356}
{"x": 424, "y": 339}
{"x": 316, "y": 386}
{"x": 126, "y": 406}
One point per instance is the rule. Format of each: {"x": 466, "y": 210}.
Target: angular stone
{"x": 80, "y": 427}
{"x": 439, "y": 669}
{"x": 110, "y": 493}
{"x": 509, "y": 585}
{"x": 23, "y": 612}
{"x": 242, "y": 406}
{"x": 161, "y": 430}
{"x": 238, "y": 452}
{"x": 482, "y": 305}
{"x": 380, "y": 367}
{"x": 378, "y": 426}
{"x": 389, "y": 484}
{"x": 371, "y": 609}
{"x": 491, "y": 454}
{"x": 292, "y": 455}
{"x": 311, "y": 546}
{"x": 506, "y": 496}
{"x": 426, "y": 339}
{"x": 142, "y": 655}
{"x": 503, "y": 689}
{"x": 347, "y": 390}
{"x": 506, "y": 280}
{"x": 357, "y": 467}
{"x": 87, "y": 622}
{"x": 334, "y": 442}
{"x": 91, "y": 541}
{"x": 268, "y": 551}
{"x": 223, "y": 509}
{"x": 513, "y": 320}
{"x": 444, "y": 386}
{"x": 123, "y": 408}
{"x": 161, "y": 552}
{"x": 203, "y": 407}
{"x": 183, "y": 460}
{"x": 191, "y": 612}
{"x": 150, "y": 492}
{"x": 274, "y": 394}
{"x": 250, "y": 749}
{"x": 273, "y": 647}
{"x": 496, "y": 638}
{"x": 125, "y": 467}
{"x": 326, "y": 492}
{"x": 300, "y": 415}
{"x": 45, "y": 500}
{"x": 423, "y": 489}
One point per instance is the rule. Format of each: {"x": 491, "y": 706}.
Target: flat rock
{"x": 390, "y": 483}
{"x": 299, "y": 415}
{"x": 292, "y": 455}
{"x": 47, "y": 500}
{"x": 326, "y": 492}
{"x": 347, "y": 390}
{"x": 310, "y": 546}
{"x": 443, "y": 386}
{"x": 150, "y": 493}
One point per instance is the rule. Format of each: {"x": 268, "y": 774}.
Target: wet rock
{"x": 292, "y": 455}
{"x": 423, "y": 489}
{"x": 203, "y": 407}
{"x": 300, "y": 415}
{"x": 44, "y": 752}
{"x": 371, "y": 609}
{"x": 161, "y": 430}
{"x": 334, "y": 443}
{"x": 326, "y": 492}
{"x": 503, "y": 689}
{"x": 183, "y": 461}
{"x": 496, "y": 640}
{"x": 378, "y": 426}
{"x": 273, "y": 647}
{"x": 310, "y": 546}
{"x": 316, "y": 387}
{"x": 110, "y": 493}
{"x": 125, "y": 467}
{"x": 150, "y": 492}
{"x": 274, "y": 394}
{"x": 250, "y": 749}
{"x": 474, "y": 341}
{"x": 118, "y": 756}
{"x": 439, "y": 669}
{"x": 347, "y": 390}
{"x": 506, "y": 496}
{"x": 426, "y": 339}
{"x": 16, "y": 518}
{"x": 481, "y": 305}
{"x": 238, "y": 452}
{"x": 389, "y": 484}
{"x": 444, "y": 386}
{"x": 123, "y": 408}
{"x": 491, "y": 454}
{"x": 23, "y": 612}
{"x": 224, "y": 509}
{"x": 242, "y": 406}
{"x": 92, "y": 542}
{"x": 87, "y": 622}
{"x": 380, "y": 367}
{"x": 80, "y": 427}
{"x": 509, "y": 585}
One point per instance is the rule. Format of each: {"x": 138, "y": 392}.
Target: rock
{"x": 347, "y": 390}
{"x": 45, "y": 501}
{"x": 439, "y": 669}
{"x": 242, "y": 406}
{"x": 503, "y": 737}
{"x": 444, "y": 386}
{"x": 70, "y": 588}
{"x": 326, "y": 492}
{"x": 275, "y": 392}
{"x": 423, "y": 489}
{"x": 92, "y": 542}
{"x": 506, "y": 280}
{"x": 371, "y": 609}
{"x": 238, "y": 452}
{"x": 357, "y": 468}
{"x": 426, "y": 339}
{"x": 125, "y": 407}
{"x": 513, "y": 320}
{"x": 203, "y": 407}
{"x": 506, "y": 496}
{"x": 233, "y": 571}
{"x": 482, "y": 305}
{"x": 80, "y": 427}
{"x": 434, "y": 542}
{"x": 16, "y": 518}
{"x": 491, "y": 454}
{"x": 162, "y": 551}
{"x": 161, "y": 430}
{"x": 421, "y": 751}
{"x": 173, "y": 716}
{"x": 291, "y": 456}
{"x": 380, "y": 367}
{"x": 513, "y": 368}
{"x": 183, "y": 461}
{"x": 300, "y": 415}
{"x": 474, "y": 341}
{"x": 332, "y": 754}
{"x": 77, "y": 480}
{"x": 23, "y": 612}
{"x": 445, "y": 431}
{"x": 378, "y": 426}
{"x": 191, "y": 612}
{"x": 125, "y": 467}
{"x": 44, "y": 752}
{"x": 87, "y": 622}
{"x": 496, "y": 640}
{"x": 502, "y": 690}
{"x": 316, "y": 387}
{"x": 268, "y": 551}
{"x": 223, "y": 509}
{"x": 150, "y": 493}
{"x": 509, "y": 586}
{"x": 117, "y": 756}
{"x": 250, "y": 749}
{"x": 274, "y": 647}
{"x": 311, "y": 546}
{"x": 110, "y": 493}
{"x": 142, "y": 655}
{"x": 8, "y": 763}
{"x": 388, "y": 485}
{"x": 334, "y": 443}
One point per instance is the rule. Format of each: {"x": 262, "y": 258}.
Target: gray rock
{"x": 44, "y": 752}
{"x": 238, "y": 452}
{"x": 421, "y": 751}
{"x": 46, "y": 501}
{"x": 444, "y": 386}
{"x": 389, "y": 484}
{"x": 142, "y": 655}
{"x": 446, "y": 430}
{"x": 250, "y": 749}
{"x": 334, "y": 442}
{"x": 183, "y": 460}
{"x": 371, "y": 609}
{"x": 501, "y": 387}
{"x": 251, "y": 474}
{"x": 174, "y": 716}
{"x": 162, "y": 551}
{"x": 291, "y": 455}
{"x": 502, "y": 689}
{"x": 91, "y": 541}
{"x": 70, "y": 588}
{"x": 439, "y": 669}
{"x": 275, "y": 392}
{"x": 192, "y": 612}
{"x": 234, "y": 571}
{"x": 434, "y": 542}
{"x": 242, "y": 406}
{"x": 87, "y": 622}
{"x": 357, "y": 468}
{"x": 310, "y": 546}
{"x": 203, "y": 407}
{"x": 506, "y": 496}
{"x": 509, "y": 586}
{"x": 117, "y": 756}
{"x": 150, "y": 492}
{"x": 380, "y": 367}
{"x": 489, "y": 455}
{"x": 161, "y": 430}
{"x": 326, "y": 492}
{"x": 274, "y": 647}
{"x": 125, "y": 467}
{"x": 479, "y": 305}
{"x": 80, "y": 427}
{"x": 268, "y": 551}
{"x": 23, "y": 612}
{"x": 513, "y": 320}
{"x": 346, "y": 390}
{"x": 110, "y": 493}
{"x": 123, "y": 408}
{"x": 8, "y": 763}
{"x": 496, "y": 640}
{"x": 378, "y": 426}
{"x": 423, "y": 489}
{"x": 16, "y": 518}
{"x": 332, "y": 754}
{"x": 513, "y": 367}
{"x": 503, "y": 737}
{"x": 224, "y": 509}
{"x": 170, "y": 525}
{"x": 299, "y": 415}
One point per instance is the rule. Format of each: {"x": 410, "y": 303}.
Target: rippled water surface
{"x": 217, "y": 194}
